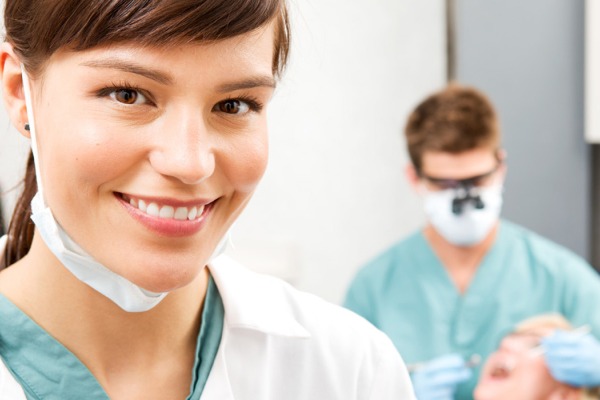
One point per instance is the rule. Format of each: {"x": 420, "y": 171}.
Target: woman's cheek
{"x": 105, "y": 150}
{"x": 247, "y": 163}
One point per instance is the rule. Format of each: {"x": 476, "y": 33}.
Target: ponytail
{"x": 21, "y": 227}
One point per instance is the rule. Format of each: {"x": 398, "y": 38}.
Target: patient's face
{"x": 517, "y": 371}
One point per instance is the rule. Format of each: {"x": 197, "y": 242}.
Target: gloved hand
{"x": 438, "y": 379}
{"x": 572, "y": 358}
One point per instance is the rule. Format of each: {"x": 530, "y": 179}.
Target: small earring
{"x": 27, "y": 126}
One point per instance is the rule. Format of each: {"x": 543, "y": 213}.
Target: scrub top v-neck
{"x": 48, "y": 371}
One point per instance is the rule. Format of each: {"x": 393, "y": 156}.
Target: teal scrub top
{"x": 407, "y": 293}
{"x": 48, "y": 371}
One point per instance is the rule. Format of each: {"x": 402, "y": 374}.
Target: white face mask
{"x": 472, "y": 225}
{"x": 122, "y": 292}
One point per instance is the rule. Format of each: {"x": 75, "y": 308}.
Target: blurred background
{"x": 334, "y": 194}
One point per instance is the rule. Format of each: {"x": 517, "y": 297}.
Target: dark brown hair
{"x": 453, "y": 120}
{"x": 37, "y": 29}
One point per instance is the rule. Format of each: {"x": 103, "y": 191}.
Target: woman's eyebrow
{"x": 248, "y": 83}
{"x": 131, "y": 67}
{"x": 166, "y": 79}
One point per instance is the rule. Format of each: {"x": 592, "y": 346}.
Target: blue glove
{"x": 572, "y": 358}
{"x": 438, "y": 379}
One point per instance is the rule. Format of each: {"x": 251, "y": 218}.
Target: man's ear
{"x": 412, "y": 176}
{"x": 502, "y": 156}
{"x": 12, "y": 87}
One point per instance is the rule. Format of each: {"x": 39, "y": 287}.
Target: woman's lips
{"x": 172, "y": 210}
{"x": 168, "y": 217}
{"x": 498, "y": 368}
{"x": 500, "y": 371}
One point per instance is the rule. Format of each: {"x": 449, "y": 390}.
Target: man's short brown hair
{"x": 453, "y": 120}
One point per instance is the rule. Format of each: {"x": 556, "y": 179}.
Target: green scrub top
{"x": 407, "y": 293}
{"x": 48, "y": 371}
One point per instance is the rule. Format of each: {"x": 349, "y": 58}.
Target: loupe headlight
{"x": 465, "y": 190}
{"x": 463, "y": 198}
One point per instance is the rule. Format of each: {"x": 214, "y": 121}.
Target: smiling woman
{"x": 148, "y": 129}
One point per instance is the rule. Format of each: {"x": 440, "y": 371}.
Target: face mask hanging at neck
{"x": 473, "y": 223}
{"x": 121, "y": 291}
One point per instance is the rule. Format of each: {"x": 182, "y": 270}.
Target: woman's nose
{"x": 517, "y": 344}
{"x": 185, "y": 149}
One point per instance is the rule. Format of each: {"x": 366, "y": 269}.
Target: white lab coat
{"x": 282, "y": 344}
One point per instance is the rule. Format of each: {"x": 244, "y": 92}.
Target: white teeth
{"x": 142, "y": 205}
{"x": 166, "y": 212}
{"x": 181, "y": 213}
{"x": 152, "y": 209}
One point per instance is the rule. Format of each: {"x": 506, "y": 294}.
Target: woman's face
{"x": 517, "y": 371}
{"x": 149, "y": 154}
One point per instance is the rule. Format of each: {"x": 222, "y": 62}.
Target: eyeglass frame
{"x": 465, "y": 183}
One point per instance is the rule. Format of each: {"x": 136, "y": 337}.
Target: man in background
{"x": 448, "y": 293}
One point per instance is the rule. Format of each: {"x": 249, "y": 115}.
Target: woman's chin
{"x": 168, "y": 279}
{"x": 487, "y": 391}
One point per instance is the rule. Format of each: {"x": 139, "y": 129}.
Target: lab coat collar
{"x": 254, "y": 301}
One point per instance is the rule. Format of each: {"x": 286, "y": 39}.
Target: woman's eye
{"x": 128, "y": 96}
{"x": 233, "y": 107}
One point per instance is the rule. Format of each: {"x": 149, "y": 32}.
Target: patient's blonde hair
{"x": 549, "y": 321}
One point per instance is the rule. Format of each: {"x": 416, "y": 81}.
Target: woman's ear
{"x": 564, "y": 392}
{"x": 12, "y": 87}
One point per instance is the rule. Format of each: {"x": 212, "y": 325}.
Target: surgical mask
{"x": 83, "y": 266}
{"x": 476, "y": 219}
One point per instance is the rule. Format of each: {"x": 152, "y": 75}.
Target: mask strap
{"x": 34, "y": 146}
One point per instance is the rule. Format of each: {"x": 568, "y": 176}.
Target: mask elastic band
{"x": 32, "y": 131}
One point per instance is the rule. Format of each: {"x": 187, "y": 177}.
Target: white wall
{"x": 592, "y": 66}
{"x": 334, "y": 193}
{"x": 528, "y": 57}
